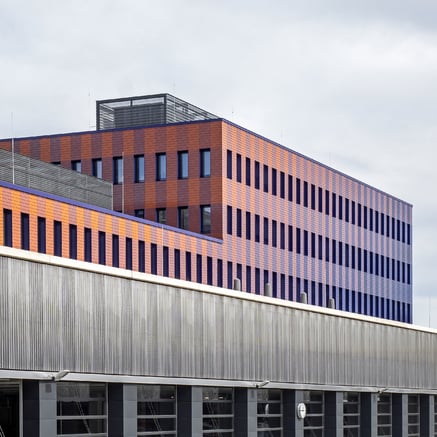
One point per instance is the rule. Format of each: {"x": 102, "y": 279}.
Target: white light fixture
{"x": 61, "y": 374}
{"x": 262, "y": 384}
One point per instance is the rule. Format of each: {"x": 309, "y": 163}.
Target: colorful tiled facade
{"x": 251, "y": 209}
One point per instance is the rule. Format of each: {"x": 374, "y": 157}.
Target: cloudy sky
{"x": 350, "y": 83}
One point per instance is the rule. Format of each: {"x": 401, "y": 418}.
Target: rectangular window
{"x": 334, "y": 205}
{"x": 265, "y": 179}
{"x": 238, "y": 167}
{"x": 248, "y": 279}
{"x": 313, "y": 196}
{"x": 305, "y": 243}
{"x": 370, "y": 219}
{"x": 209, "y": 270}
{"x": 139, "y": 168}
{"x": 382, "y": 218}
{"x": 320, "y": 247}
{"x": 365, "y": 216}
{"x": 183, "y": 165}
{"x": 57, "y": 238}
{"x": 87, "y": 245}
{"x": 239, "y": 224}
{"x": 359, "y": 214}
{"x": 290, "y": 188}
{"x": 177, "y": 263}
{"x": 353, "y": 212}
{"x": 393, "y": 228}
{"x": 165, "y": 262}
{"x": 274, "y": 284}
{"x": 183, "y": 217}
{"x": 274, "y": 182}
{"x": 7, "y": 227}
{"x": 141, "y": 256}
{"x": 229, "y": 219}
{"x": 340, "y": 207}
{"x": 102, "y": 247}
{"x": 154, "y": 259}
{"x": 274, "y": 233}
{"x": 353, "y": 257}
{"x": 257, "y": 182}
{"x": 76, "y": 165}
{"x": 139, "y": 213}
{"x": 229, "y": 164}
{"x": 334, "y": 251}
{"x": 73, "y": 241}
{"x": 230, "y": 275}
{"x": 248, "y": 226}
{"x": 257, "y": 281}
{"x": 117, "y": 170}
{"x": 305, "y": 194}
{"x": 297, "y": 240}
{"x": 161, "y": 215}
{"x": 248, "y": 171}
{"x": 320, "y": 199}
{"x": 326, "y": 249}
{"x": 41, "y": 235}
{"x": 266, "y": 230}
{"x": 282, "y": 236}
{"x": 128, "y": 253}
{"x": 290, "y": 238}
{"x": 25, "y": 239}
{"x": 398, "y": 230}
{"x": 205, "y": 163}
{"x": 97, "y": 168}
{"x": 161, "y": 166}
{"x": 313, "y": 245}
{"x": 282, "y": 185}
{"x": 327, "y": 196}
{"x": 298, "y": 191}
{"x": 257, "y": 228}
{"x": 205, "y": 219}
{"x": 115, "y": 251}
{"x": 340, "y": 253}
{"x": 219, "y": 273}
{"x": 188, "y": 266}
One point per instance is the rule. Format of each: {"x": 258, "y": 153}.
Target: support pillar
{"x": 369, "y": 414}
{"x": 245, "y": 412}
{"x": 333, "y": 414}
{"x": 400, "y": 415}
{"x": 47, "y": 408}
{"x": 293, "y": 426}
{"x": 190, "y": 410}
{"x": 427, "y": 415}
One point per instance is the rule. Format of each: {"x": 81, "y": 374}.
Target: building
{"x": 254, "y": 210}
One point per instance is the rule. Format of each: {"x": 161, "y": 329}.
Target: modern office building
{"x": 245, "y": 207}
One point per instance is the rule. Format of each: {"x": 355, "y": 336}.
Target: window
{"x": 297, "y": 240}
{"x": 183, "y": 217}
{"x": 117, "y": 170}
{"x": 41, "y": 235}
{"x": 209, "y": 270}
{"x": 282, "y": 185}
{"x": 199, "y": 268}
{"x": 266, "y": 179}
{"x": 7, "y": 227}
{"x": 205, "y": 219}
{"x": 154, "y": 259}
{"x": 73, "y": 241}
{"x": 102, "y": 247}
{"x": 248, "y": 279}
{"x": 290, "y": 238}
{"x": 248, "y": 226}
{"x": 238, "y": 167}
{"x": 177, "y": 263}
{"x": 305, "y": 243}
{"x": 257, "y": 181}
{"x": 188, "y": 266}
{"x": 320, "y": 190}
{"x": 139, "y": 168}
{"x": 257, "y": 280}
{"x": 115, "y": 251}
{"x": 25, "y": 240}
{"x": 282, "y": 237}
{"x": 139, "y": 213}
{"x": 205, "y": 163}
{"x": 183, "y": 165}
{"x": 313, "y": 196}
{"x": 141, "y": 257}
{"x": 257, "y": 228}
{"x": 229, "y": 164}
{"x": 219, "y": 273}
{"x": 165, "y": 263}
{"x": 340, "y": 207}
{"x": 97, "y": 168}
{"x": 229, "y": 219}
{"x": 239, "y": 224}
{"x": 290, "y": 188}
{"x": 274, "y": 233}
{"x": 346, "y": 209}
{"x": 298, "y": 191}
{"x": 76, "y": 165}
{"x": 57, "y": 238}
{"x": 334, "y": 205}
{"x": 161, "y": 166}
{"x": 161, "y": 216}
{"x": 248, "y": 171}
{"x": 266, "y": 230}
{"x": 128, "y": 253}
{"x": 87, "y": 245}
{"x": 327, "y": 196}
{"x": 274, "y": 182}
{"x": 305, "y": 194}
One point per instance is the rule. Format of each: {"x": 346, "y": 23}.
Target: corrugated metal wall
{"x": 53, "y": 317}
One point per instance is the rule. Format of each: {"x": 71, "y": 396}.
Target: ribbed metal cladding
{"x": 32, "y": 173}
{"x": 54, "y": 317}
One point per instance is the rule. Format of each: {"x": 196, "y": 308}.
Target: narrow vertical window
{"x": 282, "y": 185}
{"x": 365, "y": 216}
{"x": 238, "y": 167}
{"x": 298, "y": 191}
{"x": 165, "y": 262}
{"x": 183, "y": 217}
{"x": 25, "y": 240}
{"x": 57, "y": 238}
{"x": 230, "y": 275}
{"x": 248, "y": 226}
{"x": 305, "y": 194}
{"x": 320, "y": 190}
{"x": 177, "y": 263}
{"x": 229, "y": 219}
{"x": 239, "y": 224}
{"x": 7, "y": 227}
{"x": 188, "y": 266}
{"x": 346, "y": 210}
{"x": 97, "y": 168}
{"x": 128, "y": 253}
{"x": 205, "y": 163}
{"x": 117, "y": 170}
{"x": 334, "y": 205}
{"x": 102, "y": 248}
{"x": 209, "y": 270}
{"x": 274, "y": 182}
{"x": 265, "y": 179}
{"x": 266, "y": 230}
{"x": 353, "y": 212}
{"x": 199, "y": 274}
{"x": 290, "y": 238}
{"x": 115, "y": 251}
{"x": 257, "y": 176}
{"x": 154, "y": 259}
{"x": 297, "y": 240}
{"x": 161, "y": 166}
{"x": 248, "y": 279}
{"x": 257, "y": 281}
{"x": 73, "y": 241}
{"x": 139, "y": 213}
{"x": 313, "y": 245}
{"x": 248, "y": 171}
{"x": 340, "y": 207}
{"x": 76, "y": 165}
{"x": 229, "y": 164}
{"x": 305, "y": 243}
{"x": 320, "y": 247}
{"x": 87, "y": 245}
{"x": 183, "y": 165}
{"x": 282, "y": 237}
{"x": 41, "y": 235}
{"x": 274, "y": 233}
{"x": 139, "y": 168}
{"x": 313, "y": 196}
{"x": 257, "y": 228}
{"x": 161, "y": 216}
{"x": 327, "y": 196}
{"x": 205, "y": 219}
{"x": 219, "y": 273}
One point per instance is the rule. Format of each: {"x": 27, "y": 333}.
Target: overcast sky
{"x": 352, "y": 84}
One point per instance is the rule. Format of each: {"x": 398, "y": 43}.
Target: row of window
{"x": 320, "y": 199}
{"x": 139, "y": 166}
{"x": 316, "y": 246}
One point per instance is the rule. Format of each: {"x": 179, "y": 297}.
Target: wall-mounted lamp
{"x": 262, "y": 384}
{"x": 61, "y": 374}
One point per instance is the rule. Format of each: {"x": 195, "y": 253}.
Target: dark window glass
{"x": 73, "y": 241}
{"x": 76, "y": 165}
{"x": 57, "y": 238}
{"x": 266, "y": 230}
{"x": 87, "y": 245}
{"x": 183, "y": 165}
{"x": 97, "y": 168}
{"x": 290, "y": 238}
{"x": 257, "y": 181}
{"x": 274, "y": 233}
{"x": 313, "y": 245}
{"x": 327, "y": 195}
{"x": 326, "y": 249}
{"x": 370, "y": 219}
{"x": 183, "y": 217}
{"x": 205, "y": 219}
{"x": 313, "y": 196}
{"x": 209, "y": 270}
{"x": 305, "y": 194}
{"x": 320, "y": 247}
{"x": 161, "y": 166}
{"x": 274, "y": 284}
{"x": 117, "y": 170}
{"x": 128, "y": 253}
{"x": 320, "y": 199}
{"x": 154, "y": 259}
{"x": 403, "y": 232}
{"x": 346, "y": 209}
{"x": 257, "y": 281}
{"x": 188, "y": 266}
{"x": 305, "y": 243}
{"x": 408, "y": 234}
{"x": 248, "y": 171}
{"x": 282, "y": 236}
{"x": 398, "y": 230}
{"x": 142, "y": 256}
{"x": 230, "y": 275}
{"x": 139, "y": 168}
{"x": 219, "y": 273}
{"x": 334, "y": 251}
{"x": 340, "y": 253}
{"x": 229, "y": 219}
{"x": 248, "y": 279}
{"x": 238, "y": 167}
{"x": 139, "y": 213}
{"x": 25, "y": 239}
{"x": 382, "y": 223}
{"x": 274, "y": 182}
{"x": 353, "y": 257}
{"x": 393, "y": 228}
{"x": 266, "y": 278}
{"x": 240, "y": 272}
{"x": 239, "y": 224}
{"x": 282, "y": 185}
{"x": 115, "y": 251}
{"x": 41, "y": 235}
{"x": 353, "y": 212}
{"x": 359, "y": 256}
{"x": 165, "y": 261}
{"x": 282, "y": 291}
{"x": 334, "y": 205}
{"x": 359, "y": 214}
{"x": 266, "y": 179}
{"x": 298, "y": 191}
{"x": 377, "y": 222}
{"x": 161, "y": 215}
{"x": 257, "y": 228}
{"x": 177, "y": 263}
{"x": 340, "y": 207}
{"x": 7, "y": 227}
{"x": 205, "y": 163}
{"x": 248, "y": 226}
{"x": 365, "y": 222}
{"x": 290, "y": 188}
{"x": 229, "y": 164}
{"x": 297, "y": 240}
{"x": 365, "y": 261}
{"x": 102, "y": 247}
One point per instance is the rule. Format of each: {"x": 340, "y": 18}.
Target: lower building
{"x": 87, "y": 349}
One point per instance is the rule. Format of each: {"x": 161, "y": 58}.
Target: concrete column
{"x": 245, "y": 412}
{"x": 333, "y": 414}
{"x": 427, "y": 415}
{"x": 400, "y": 415}
{"x": 130, "y": 416}
{"x": 190, "y": 409}
{"x": 293, "y": 426}
{"x": 47, "y": 408}
{"x": 369, "y": 414}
